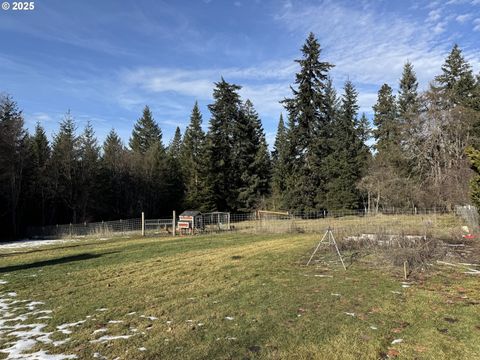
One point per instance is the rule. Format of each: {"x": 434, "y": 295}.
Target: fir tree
{"x": 113, "y": 151}
{"x": 175, "y": 183}
{"x": 220, "y": 191}
{"x": 309, "y": 129}
{"x": 252, "y": 161}
{"x": 193, "y": 160}
{"x": 456, "y": 81}
{"x": 40, "y": 186}
{"x": 280, "y": 165}
{"x": 145, "y": 133}
{"x": 66, "y": 168}
{"x": 118, "y": 186}
{"x": 13, "y": 156}
{"x": 175, "y": 145}
{"x": 346, "y": 167}
{"x": 408, "y": 102}
{"x": 89, "y": 172}
{"x": 388, "y": 131}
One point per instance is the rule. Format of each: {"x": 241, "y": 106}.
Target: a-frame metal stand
{"x": 331, "y": 241}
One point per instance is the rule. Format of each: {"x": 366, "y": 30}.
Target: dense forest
{"x": 426, "y": 153}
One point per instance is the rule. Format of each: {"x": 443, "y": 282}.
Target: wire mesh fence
{"x": 94, "y": 229}
{"x": 388, "y": 222}
{"x": 159, "y": 227}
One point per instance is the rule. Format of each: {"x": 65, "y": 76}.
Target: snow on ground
{"x": 109, "y": 338}
{"x": 22, "y": 336}
{"x": 13, "y": 315}
{"x": 30, "y": 243}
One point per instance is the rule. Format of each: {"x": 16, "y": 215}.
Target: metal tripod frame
{"x": 331, "y": 240}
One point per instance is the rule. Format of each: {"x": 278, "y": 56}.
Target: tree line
{"x": 425, "y": 150}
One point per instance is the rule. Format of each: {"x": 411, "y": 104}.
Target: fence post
{"x": 143, "y": 223}
{"x": 173, "y": 222}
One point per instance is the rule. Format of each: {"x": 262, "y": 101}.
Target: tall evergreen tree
{"x": 113, "y": 150}
{"x": 146, "y": 133}
{"x": 176, "y": 144}
{"x": 309, "y": 131}
{"x": 345, "y": 160}
{"x": 175, "y": 183}
{"x": 251, "y": 161}
{"x": 66, "y": 170}
{"x": 225, "y": 110}
{"x": 13, "y": 156}
{"x": 193, "y": 161}
{"x": 388, "y": 130}
{"x": 40, "y": 184}
{"x": 456, "y": 82}
{"x": 89, "y": 173}
{"x": 280, "y": 165}
{"x": 116, "y": 181}
{"x": 149, "y": 165}
{"x": 408, "y": 102}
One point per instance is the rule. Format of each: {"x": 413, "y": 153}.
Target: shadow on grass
{"x": 58, "y": 261}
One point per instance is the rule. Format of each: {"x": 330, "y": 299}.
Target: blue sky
{"x": 104, "y": 60}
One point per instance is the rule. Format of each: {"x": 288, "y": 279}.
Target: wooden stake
{"x": 174, "y": 221}
{"x": 405, "y": 269}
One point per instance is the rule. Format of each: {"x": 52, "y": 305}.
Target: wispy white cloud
{"x": 264, "y": 85}
{"x": 463, "y": 18}
{"x": 370, "y": 47}
{"x": 476, "y": 24}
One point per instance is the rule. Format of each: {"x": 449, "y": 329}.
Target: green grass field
{"x": 231, "y": 296}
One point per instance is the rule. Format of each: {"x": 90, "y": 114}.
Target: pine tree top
{"x": 408, "y": 102}
{"x": 175, "y": 144}
{"x": 146, "y": 133}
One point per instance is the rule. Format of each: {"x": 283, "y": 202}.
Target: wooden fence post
{"x": 143, "y": 223}
{"x": 173, "y": 223}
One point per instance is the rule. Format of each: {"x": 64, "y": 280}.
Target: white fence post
{"x": 173, "y": 223}
{"x": 143, "y": 223}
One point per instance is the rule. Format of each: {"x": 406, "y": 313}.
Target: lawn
{"x": 229, "y": 296}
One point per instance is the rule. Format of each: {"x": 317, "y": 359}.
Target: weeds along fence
{"x": 434, "y": 222}
{"x": 104, "y": 229}
{"x": 442, "y": 224}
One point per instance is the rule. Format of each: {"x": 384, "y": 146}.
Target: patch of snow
{"x": 64, "y": 327}
{"x": 397, "y": 341}
{"x": 149, "y": 317}
{"x": 350, "y": 314}
{"x": 142, "y": 349}
{"x": 102, "y": 309}
{"x": 115, "y": 321}
{"x": 12, "y": 294}
{"x": 229, "y": 318}
{"x": 101, "y": 330}
{"x": 3, "y": 282}
{"x": 106, "y": 338}
{"x": 31, "y": 306}
{"x": 27, "y": 336}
